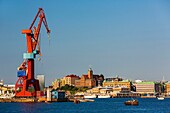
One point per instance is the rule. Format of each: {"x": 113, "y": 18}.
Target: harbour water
{"x": 105, "y": 105}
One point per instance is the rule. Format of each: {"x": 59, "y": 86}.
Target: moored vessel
{"x": 104, "y": 96}
{"x": 132, "y": 102}
{"x": 160, "y": 98}
{"x": 90, "y": 96}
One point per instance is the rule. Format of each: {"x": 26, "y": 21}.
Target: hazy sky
{"x": 129, "y": 38}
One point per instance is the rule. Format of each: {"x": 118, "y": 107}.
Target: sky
{"x": 128, "y": 38}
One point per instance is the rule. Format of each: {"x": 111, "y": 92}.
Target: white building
{"x": 41, "y": 79}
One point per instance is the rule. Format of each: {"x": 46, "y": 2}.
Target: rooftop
{"x": 146, "y": 82}
{"x": 72, "y": 75}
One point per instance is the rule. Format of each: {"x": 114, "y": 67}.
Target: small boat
{"x": 160, "y": 98}
{"x": 132, "y": 102}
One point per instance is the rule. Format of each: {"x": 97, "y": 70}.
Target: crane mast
{"x": 27, "y": 85}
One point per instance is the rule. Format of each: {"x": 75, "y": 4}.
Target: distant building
{"x": 167, "y": 88}
{"x": 49, "y": 95}
{"x": 56, "y": 84}
{"x": 121, "y": 89}
{"x": 70, "y": 79}
{"x": 7, "y": 89}
{"x": 147, "y": 87}
{"x": 86, "y": 80}
{"x": 97, "y": 90}
{"x": 62, "y": 83}
{"x": 117, "y": 82}
{"x": 41, "y": 79}
{"x": 99, "y": 79}
{"x": 58, "y": 94}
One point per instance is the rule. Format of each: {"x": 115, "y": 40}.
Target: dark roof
{"x": 73, "y": 76}
{"x": 97, "y": 77}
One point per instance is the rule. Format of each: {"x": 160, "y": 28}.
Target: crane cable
{"x": 39, "y": 44}
{"x": 49, "y": 38}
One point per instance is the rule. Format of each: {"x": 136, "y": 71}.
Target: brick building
{"x": 89, "y": 80}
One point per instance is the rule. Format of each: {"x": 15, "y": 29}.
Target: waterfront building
{"x": 150, "y": 88}
{"x": 121, "y": 89}
{"x": 57, "y": 94}
{"x": 106, "y": 90}
{"x": 3, "y": 90}
{"x": 49, "y": 94}
{"x": 117, "y": 83}
{"x": 124, "y": 92}
{"x": 86, "y": 80}
{"x": 99, "y": 79}
{"x": 117, "y": 90}
{"x": 10, "y": 86}
{"x": 70, "y": 79}
{"x": 98, "y": 90}
{"x": 128, "y": 94}
{"x": 56, "y": 84}
{"x": 41, "y": 79}
{"x": 62, "y": 83}
{"x": 167, "y": 88}
{"x": 7, "y": 90}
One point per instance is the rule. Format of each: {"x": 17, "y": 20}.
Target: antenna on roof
{"x": 90, "y": 66}
{"x": 163, "y": 79}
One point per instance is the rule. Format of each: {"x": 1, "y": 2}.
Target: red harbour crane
{"x": 27, "y": 85}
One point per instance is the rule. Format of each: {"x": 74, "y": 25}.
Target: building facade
{"x": 117, "y": 83}
{"x": 58, "y": 94}
{"x": 70, "y": 79}
{"x": 167, "y": 88}
{"x": 56, "y": 84}
{"x": 41, "y": 79}
{"x": 86, "y": 80}
{"x": 147, "y": 88}
{"x": 99, "y": 79}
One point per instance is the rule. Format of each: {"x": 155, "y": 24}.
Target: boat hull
{"x": 132, "y": 103}
{"x": 160, "y": 98}
{"x": 104, "y": 96}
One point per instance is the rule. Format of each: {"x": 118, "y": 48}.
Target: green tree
{"x": 73, "y": 89}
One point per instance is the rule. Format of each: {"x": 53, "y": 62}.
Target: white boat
{"x": 160, "y": 98}
{"x": 89, "y": 96}
{"x": 104, "y": 96}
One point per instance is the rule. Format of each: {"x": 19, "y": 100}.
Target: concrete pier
{"x": 18, "y": 100}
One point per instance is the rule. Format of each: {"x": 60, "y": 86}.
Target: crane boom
{"x": 40, "y": 11}
{"x": 41, "y": 15}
